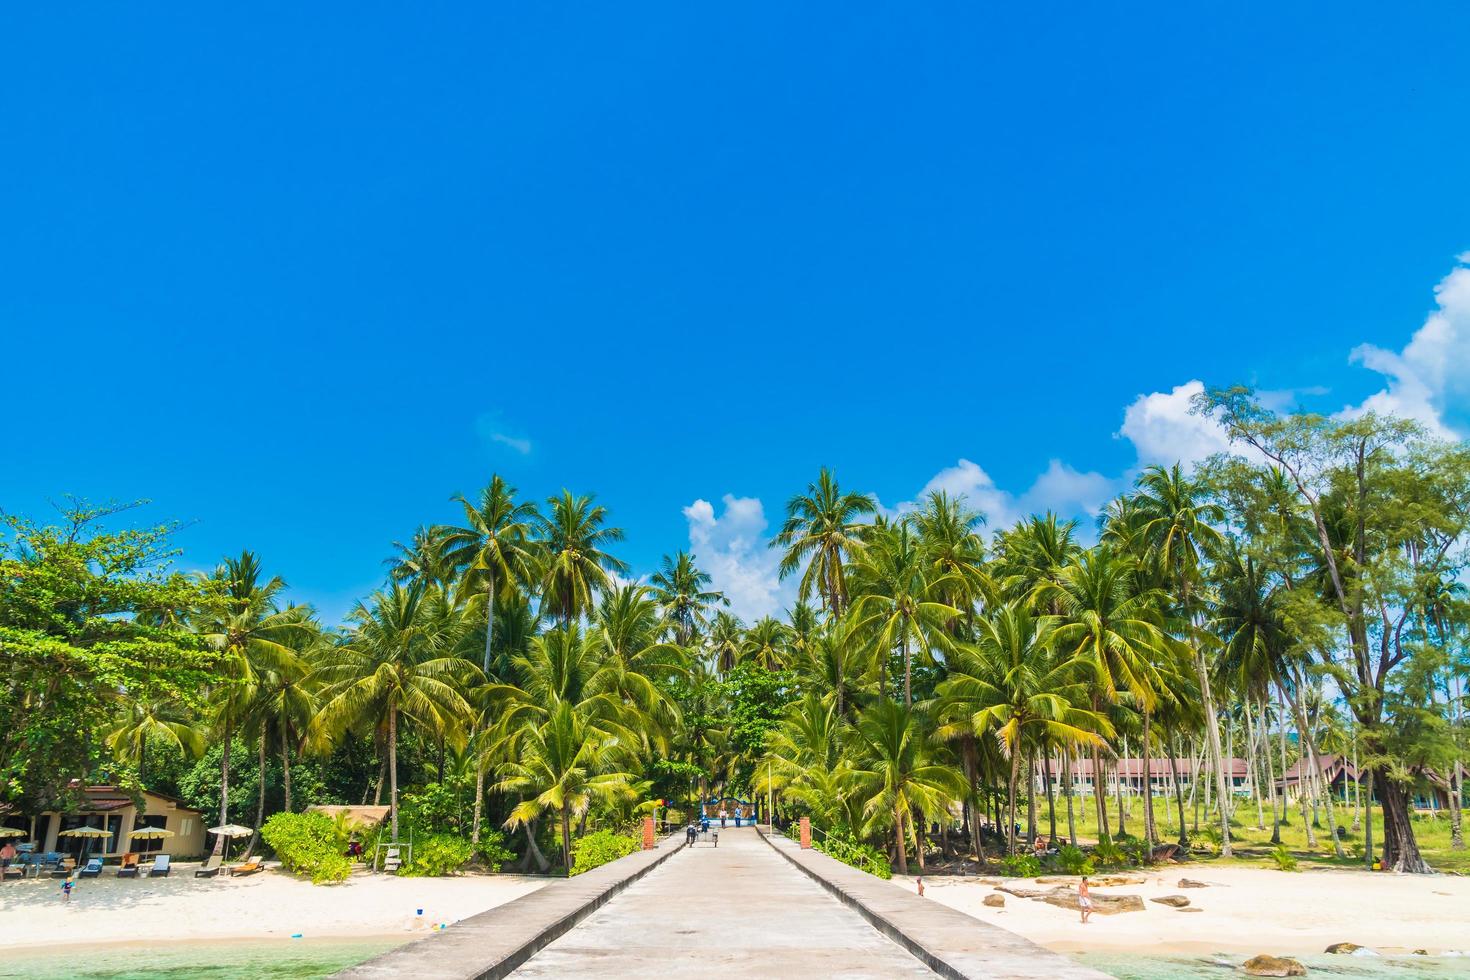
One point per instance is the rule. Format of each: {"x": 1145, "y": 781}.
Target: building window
{"x": 186, "y": 827}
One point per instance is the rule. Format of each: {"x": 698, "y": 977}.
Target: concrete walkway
{"x": 737, "y": 910}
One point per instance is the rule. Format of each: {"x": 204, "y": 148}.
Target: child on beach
{"x": 66, "y": 886}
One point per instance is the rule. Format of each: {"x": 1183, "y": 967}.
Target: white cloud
{"x": 1432, "y": 372}
{"x": 491, "y": 427}
{"x": 733, "y": 548}
{"x": 1163, "y": 431}
{"x": 1061, "y": 488}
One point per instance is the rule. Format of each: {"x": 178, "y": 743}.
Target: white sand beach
{"x": 1244, "y": 910}
{"x": 271, "y": 904}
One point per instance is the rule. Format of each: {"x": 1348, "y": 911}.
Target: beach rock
{"x": 990, "y": 881}
{"x": 1191, "y": 883}
{"x": 1273, "y": 966}
{"x": 1164, "y": 852}
{"x": 1421, "y": 952}
{"x": 1020, "y": 892}
{"x": 1343, "y": 948}
{"x": 995, "y": 901}
{"x": 1101, "y": 904}
{"x": 1192, "y": 908}
{"x": 1177, "y": 901}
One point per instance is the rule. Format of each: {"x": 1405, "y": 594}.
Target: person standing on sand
{"x": 1084, "y": 899}
{"x": 70, "y": 880}
{"x": 919, "y": 883}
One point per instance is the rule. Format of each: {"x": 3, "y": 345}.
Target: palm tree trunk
{"x": 1011, "y": 800}
{"x": 1212, "y": 731}
{"x": 286, "y": 766}
{"x": 1099, "y": 800}
{"x": 1118, "y": 790}
{"x": 908, "y": 672}
{"x": 919, "y": 831}
{"x": 1178, "y": 797}
{"x": 566, "y": 839}
{"x": 1051, "y": 799}
{"x": 393, "y": 767}
{"x": 1278, "y": 795}
{"x": 260, "y": 798}
{"x": 479, "y": 800}
{"x": 1149, "y": 836}
{"x": 224, "y": 778}
{"x": 1067, "y": 792}
{"x": 1031, "y": 799}
{"x": 489, "y": 617}
{"x": 899, "y": 842}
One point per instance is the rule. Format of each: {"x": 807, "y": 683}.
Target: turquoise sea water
{"x": 274, "y": 959}
{"x": 1223, "y": 966}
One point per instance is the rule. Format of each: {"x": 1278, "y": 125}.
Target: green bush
{"x": 1070, "y": 860}
{"x": 308, "y": 844}
{"x": 854, "y": 853}
{"x": 600, "y": 847}
{"x": 1283, "y": 858}
{"x": 1108, "y": 853}
{"x": 435, "y": 855}
{"x": 493, "y": 850}
{"x": 1020, "y": 866}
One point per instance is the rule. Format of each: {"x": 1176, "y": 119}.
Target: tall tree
{"x": 821, "y": 531}
{"x": 575, "y": 566}
{"x": 493, "y": 547}
{"x": 679, "y": 588}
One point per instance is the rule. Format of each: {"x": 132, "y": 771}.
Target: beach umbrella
{"x": 150, "y": 833}
{"x": 12, "y": 832}
{"x": 88, "y": 834}
{"x": 231, "y": 830}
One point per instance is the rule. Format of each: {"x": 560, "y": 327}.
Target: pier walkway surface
{"x": 736, "y": 910}
{"x": 749, "y": 907}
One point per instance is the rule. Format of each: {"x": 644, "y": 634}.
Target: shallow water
{"x": 276, "y": 959}
{"x": 1221, "y": 966}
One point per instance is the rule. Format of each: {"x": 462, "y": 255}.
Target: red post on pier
{"x": 806, "y": 833}
{"x": 648, "y": 832}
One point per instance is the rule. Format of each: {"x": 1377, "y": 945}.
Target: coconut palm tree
{"x": 493, "y": 547}
{"x": 899, "y": 601}
{"x": 726, "y": 637}
{"x": 1013, "y": 683}
{"x": 574, "y": 564}
{"x": 167, "y": 722}
{"x": 241, "y": 618}
{"x": 679, "y": 588}
{"x": 767, "y": 643}
{"x": 1177, "y": 523}
{"x": 563, "y": 765}
{"x": 953, "y": 549}
{"x": 897, "y": 770}
{"x": 821, "y": 531}
{"x": 397, "y": 664}
{"x": 1115, "y": 629}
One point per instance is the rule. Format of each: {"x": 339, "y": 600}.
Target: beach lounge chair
{"x": 209, "y": 868}
{"x": 129, "y": 866}
{"x": 63, "y": 867}
{"x": 92, "y": 869}
{"x": 160, "y": 867}
{"x": 248, "y": 868}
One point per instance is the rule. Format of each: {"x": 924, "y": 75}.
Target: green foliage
{"x": 436, "y": 808}
{"x": 1071, "y": 860}
{"x": 1107, "y": 853}
{"x": 1283, "y": 859}
{"x": 851, "y": 851}
{"x": 1020, "y": 866}
{"x": 493, "y": 850}
{"x": 435, "y": 855}
{"x": 310, "y": 844}
{"x": 85, "y": 613}
{"x": 599, "y": 847}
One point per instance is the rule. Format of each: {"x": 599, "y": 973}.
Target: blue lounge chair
{"x": 92, "y": 870}
{"x": 160, "y": 867}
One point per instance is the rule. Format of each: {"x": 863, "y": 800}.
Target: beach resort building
{"x": 109, "y": 808}
{"x": 1127, "y": 774}
{"x": 1430, "y": 792}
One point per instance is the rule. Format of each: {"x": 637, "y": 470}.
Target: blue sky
{"x": 299, "y": 272}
